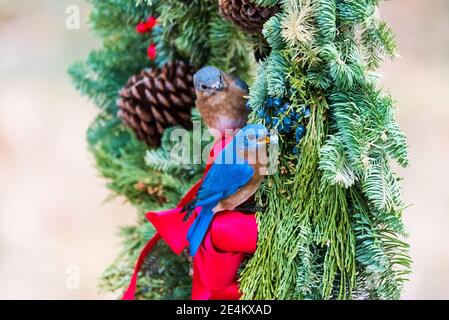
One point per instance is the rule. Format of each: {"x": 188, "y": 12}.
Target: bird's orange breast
{"x": 224, "y": 109}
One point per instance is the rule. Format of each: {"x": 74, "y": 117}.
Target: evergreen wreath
{"x": 332, "y": 225}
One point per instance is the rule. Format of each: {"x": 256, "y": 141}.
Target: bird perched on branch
{"x": 233, "y": 178}
{"x": 221, "y": 99}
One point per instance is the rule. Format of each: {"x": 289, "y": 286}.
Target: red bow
{"x": 231, "y": 236}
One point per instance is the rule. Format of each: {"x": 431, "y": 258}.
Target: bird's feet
{"x": 249, "y": 207}
{"x": 219, "y": 207}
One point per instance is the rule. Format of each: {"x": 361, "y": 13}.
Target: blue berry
{"x": 267, "y": 119}
{"x": 270, "y": 102}
{"x": 297, "y": 116}
{"x": 285, "y": 128}
{"x": 307, "y": 112}
{"x": 275, "y": 122}
{"x": 296, "y": 150}
{"x": 277, "y": 102}
{"x": 248, "y": 105}
{"x": 287, "y": 121}
{"x": 300, "y": 131}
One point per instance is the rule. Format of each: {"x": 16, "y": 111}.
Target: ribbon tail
{"x": 130, "y": 293}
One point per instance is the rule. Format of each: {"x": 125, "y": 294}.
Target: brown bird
{"x": 221, "y": 100}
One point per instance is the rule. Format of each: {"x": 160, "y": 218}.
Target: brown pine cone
{"x": 245, "y": 14}
{"x": 157, "y": 99}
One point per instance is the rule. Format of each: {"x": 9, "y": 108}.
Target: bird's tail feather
{"x": 199, "y": 228}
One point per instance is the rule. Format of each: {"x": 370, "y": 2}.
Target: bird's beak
{"x": 218, "y": 87}
{"x": 273, "y": 139}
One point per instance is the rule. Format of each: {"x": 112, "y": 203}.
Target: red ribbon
{"x": 131, "y": 291}
{"x": 231, "y": 236}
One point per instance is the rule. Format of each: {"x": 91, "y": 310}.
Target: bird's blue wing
{"x": 228, "y": 173}
{"x": 220, "y": 182}
{"x": 223, "y": 180}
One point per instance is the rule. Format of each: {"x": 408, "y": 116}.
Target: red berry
{"x": 152, "y": 52}
{"x": 151, "y": 23}
{"x": 146, "y": 26}
{"x": 142, "y": 27}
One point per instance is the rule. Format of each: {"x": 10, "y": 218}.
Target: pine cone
{"x": 245, "y": 14}
{"x": 157, "y": 99}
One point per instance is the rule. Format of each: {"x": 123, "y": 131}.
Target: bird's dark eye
{"x": 204, "y": 87}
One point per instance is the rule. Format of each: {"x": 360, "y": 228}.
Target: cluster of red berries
{"x": 145, "y": 27}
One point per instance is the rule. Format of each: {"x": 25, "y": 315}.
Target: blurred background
{"x": 55, "y": 227}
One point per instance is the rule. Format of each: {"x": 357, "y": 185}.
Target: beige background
{"x": 52, "y": 216}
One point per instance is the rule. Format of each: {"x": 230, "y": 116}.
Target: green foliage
{"x": 335, "y": 165}
{"x": 176, "y": 158}
{"x": 266, "y": 3}
{"x": 272, "y": 32}
{"x": 259, "y": 91}
{"x": 383, "y": 259}
{"x": 335, "y": 232}
{"x": 229, "y": 48}
{"x": 354, "y": 11}
{"x": 277, "y": 66}
{"x": 377, "y": 40}
{"x": 327, "y": 20}
{"x": 194, "y": 30}
{"x": 185, "y": 26}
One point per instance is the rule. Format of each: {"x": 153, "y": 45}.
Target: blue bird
{"x": 232, "y": 179}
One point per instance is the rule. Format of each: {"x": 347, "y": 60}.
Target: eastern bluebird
{"x": 233, "y": 178}
{"x": 221, "y": 99}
